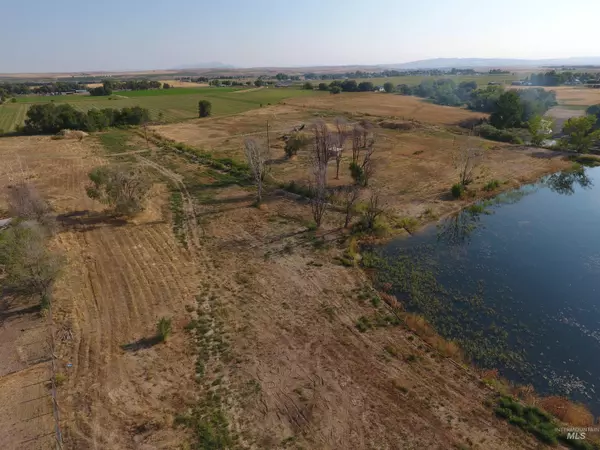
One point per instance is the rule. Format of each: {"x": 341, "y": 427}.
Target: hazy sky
{"x": 66, "y": 35}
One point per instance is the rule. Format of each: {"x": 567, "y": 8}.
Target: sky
{"x": 68, "y": 36}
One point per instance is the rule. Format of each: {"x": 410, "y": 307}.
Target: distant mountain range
{"x": 447, "y": 63}
{"x": 205, "y": 65}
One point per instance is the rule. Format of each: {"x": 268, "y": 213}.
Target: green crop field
{"x": 175, "y": 104}
{"x": 11, "y": 115}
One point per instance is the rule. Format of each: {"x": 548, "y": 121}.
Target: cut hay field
{"x": 11, "y": 115}
{"x": 175, "y": 104}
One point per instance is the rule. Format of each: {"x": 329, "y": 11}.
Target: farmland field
{"x": 174, "y": 104}
{"x": 11, "y": 115}
{"x": 379, "y": 104}
{"x": 416, "y": 79}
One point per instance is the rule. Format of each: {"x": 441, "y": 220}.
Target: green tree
{"x": 365, "y": 86}
{"x": 349, "y": 86}
{"x": 204, "y": 108}
{"x": 389, "y": 87}
{"x": 594, "y": 111}
{"x": 259, "y": 82}
{"x": 540, "y": 129}
{"x": 323, "y": 86}
{"x": 508, "y": 111}
{"x": 580, "y": 133}
{"x": 295, "y": 142}
{"x": 335, "y": 89}
{"x": 166, "y": 86}
{"x": 308, "y": 86}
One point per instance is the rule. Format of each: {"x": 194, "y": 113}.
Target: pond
{"x": 515, "y": 280}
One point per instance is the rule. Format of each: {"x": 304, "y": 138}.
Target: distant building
{"x": 379, "y": 89}
{"x": 284, "y": 83}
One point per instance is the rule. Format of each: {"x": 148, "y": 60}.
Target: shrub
{"x": 122, "y": 188}
{"x": 296, "y": 142}
{"x": 457, "y": 190}
{"x": 494, "y": 134}
{"x": 25, "y": 202}
{"x": 335, "y": 89}
{"x": 471, "y": 122}
{"x": 491, "y": 185}
{"x": 204, "y": 108}
{"x": 357, "y": 173}
{"x": 163, "y": 329}
{"x": 60, "y": 379}
{"x": 323, "y": 86}
{"x": 308, "y": 86}
{"x": 28, "y": 267}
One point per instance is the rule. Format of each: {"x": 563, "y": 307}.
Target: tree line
{"x": 51, "y": 118}
{"x": 387, "y": 74}
{"x": 442, "y": 91}
{"x": 555, "y": 78}
{"x": 109, "y": 86}
{"x": 13, "y": 89}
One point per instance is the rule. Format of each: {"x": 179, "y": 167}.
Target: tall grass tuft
{"x": 164, "y": 329}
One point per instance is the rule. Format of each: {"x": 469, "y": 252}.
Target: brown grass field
{"x": 414, "y": 168}
{"x": 273, "y": 345}
{"x": 378, "y": 104}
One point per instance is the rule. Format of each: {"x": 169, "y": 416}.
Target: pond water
{"x": 516, "y": 281}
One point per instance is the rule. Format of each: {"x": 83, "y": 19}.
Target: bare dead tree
{"x": 348, "y": 196}
{"x": 319, "y": 157}
{"x": 362, "y": 167}
{"x": 24, "y": 201}
{"x": 341, "y": 126}
{"x": 357, "y": 139}
{"x": 466, "y": 158}
{"x": 258, "y": 156}
{"x": 374, "y": 210}
{"x": 124, "y": 188}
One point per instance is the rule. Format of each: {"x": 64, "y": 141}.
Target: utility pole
{"x": 268, "y": 139}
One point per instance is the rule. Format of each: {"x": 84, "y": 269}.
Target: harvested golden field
{"x": 119, "y": 280}
{"x": 576, "y": 96}
{"x": 378, "y": 104}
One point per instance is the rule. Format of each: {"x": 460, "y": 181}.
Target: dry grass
{"x": 423, "y": 329}
{"x": 414, "y": 169}
{"x": 574, "y": 414}
{"x": 386, "y": 105}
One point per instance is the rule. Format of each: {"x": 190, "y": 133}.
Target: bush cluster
{"x": 490, "y": 132}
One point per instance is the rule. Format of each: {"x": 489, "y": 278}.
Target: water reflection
{"x": 563, "y": 182}
{"x": 523, "y": 299}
